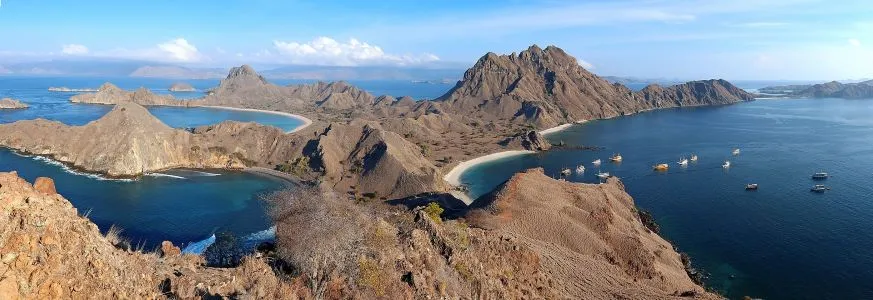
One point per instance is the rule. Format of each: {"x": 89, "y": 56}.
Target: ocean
{"x": 779, "y": 242}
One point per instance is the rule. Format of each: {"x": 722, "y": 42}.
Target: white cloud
{"x": 74, "y": 49}
{"x": 327, "y": 51}
{"x": 585, "y": 64}
{"x": 855, "y": 42}
{"x": 761, "y": 24}
{"x": 179, "y": 49}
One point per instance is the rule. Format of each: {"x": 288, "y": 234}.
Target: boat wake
{"x": 164, "y": 175}
{"x": 70, "y": 170}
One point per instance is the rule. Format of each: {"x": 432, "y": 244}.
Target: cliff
{"x": 547, "y": 87}
{"x": 9, "y": 103}
{"x": 596, "y": 228}
{"x": 111, "y": 94}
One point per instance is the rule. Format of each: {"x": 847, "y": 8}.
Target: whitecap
{"x": 164, "y": 175}
{"x": 200, "y": 246}
{"x": 70, "y": 170}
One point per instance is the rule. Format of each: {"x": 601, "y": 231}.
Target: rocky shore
{"x": 9, "y": 103}
{"x": 182, "y": 87}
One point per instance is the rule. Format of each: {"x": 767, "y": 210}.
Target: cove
{"x": 780, "y": 242}
{"x": 183, "y": 206}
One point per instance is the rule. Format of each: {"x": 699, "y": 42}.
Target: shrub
{"x": 434, "y": 211}
{"x": 371, "y": 275}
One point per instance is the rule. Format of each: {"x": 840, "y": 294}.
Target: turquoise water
{"x": 780, "y": 242}
{"x": 153, "y": 209}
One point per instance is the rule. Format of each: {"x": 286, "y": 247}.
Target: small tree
{"x": 317, "y": 232}
{"x": 434, "y": 211}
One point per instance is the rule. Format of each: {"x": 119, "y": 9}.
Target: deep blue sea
{"x": 153, "y": 209}
{"x": 780, "y": 242}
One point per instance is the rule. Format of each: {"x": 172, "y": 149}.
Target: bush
{"x": 434, "y": 211}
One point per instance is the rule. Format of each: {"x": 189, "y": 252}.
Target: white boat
{"x": 616, "y": 158}
{"x": 566, "y": 172}
{"x": 596, "y": 162}
{"x": 580, "y": 169}
{"x": 682, "y": 162}
{"x": 736, "y": 151}
{"x": 693, "y": 158}
{"x": 752, "y": 186}
{"x": 726, "y": 164}
{"x": 603, "y": 175}
{"x": 820, "y": 175}
{"x": 819, "y": 188}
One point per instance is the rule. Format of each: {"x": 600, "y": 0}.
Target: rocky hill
{"x": 547, "y": 87}
{"x": 9, "y": 103}
{"x": 111, "y": 94}
{"x": 585, "y": 242}
{"x": 833, "y": 89}
{"x": 181, "y": 87}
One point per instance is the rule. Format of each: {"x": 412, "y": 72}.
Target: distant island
{"x": 182, "y": 87}
{"x": 69, "y": 90}
{"x": 833, "y": 89}
{"x": 9, "y": 103}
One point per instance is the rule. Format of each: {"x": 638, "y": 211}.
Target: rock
{"x": 529, "y": 140}
{"x": 9, "y": 103}
{"x": 182, "y": 87}
{"x": 111, "y": 94}
{"x": 45, "y": 185}
{"x": 168, "y": 249}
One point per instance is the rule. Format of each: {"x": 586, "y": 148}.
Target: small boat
{"x": 736, "y": 151}
{"x": 566, "y": 172}
{"x": 726, "y": 164}
{"x": 752, "y": 186}
{"x": 693, "y": 158}
{"x": 682, "y": 162}
{"x": 661, "y": 167}
{"x": 596, "y": 162}
{"x": 819, "y": 188}
{"x": 580, "y": 169}
{"x": 616, "y": 158}
{"x": 820, "y": 175}
{"x": 603, "y": 175}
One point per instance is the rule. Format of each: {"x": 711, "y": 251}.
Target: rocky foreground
{"x": 9, "y": 103}
{"x": 582, "y": 241}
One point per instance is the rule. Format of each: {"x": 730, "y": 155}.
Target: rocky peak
{"x": 108, "y": 87}
{"x": 242, "y": 77}
{"x": 130, "y": 115}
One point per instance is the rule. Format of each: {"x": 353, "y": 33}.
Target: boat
{"x": 736, "y": 151}
{"x": 661, "y": 167}
{"x": 819, "y": 188}
{"x": 693, "y": 158}
{"x": 566, "y": 172}
{"x": 603, "y": 175}
{"x": 596, "y": 162}
{"x": 616, "y": 158}
{"x": 682, "y": 162}
{"x": 580, "y": 169}
{"x": 820, "y": 175}
{"x": 752, "y": 186}
{"x": 727, "y": 164}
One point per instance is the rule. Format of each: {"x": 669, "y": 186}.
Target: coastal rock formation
{"x": 547, "y": 87}
{"x": 363, "y": 155}
{"x": 129, "y": 141}
{"x": 596, "y": 228}
{"x": 111, "y": 94}
{"x": 833, "y": 89}
{"x": 9, "y": 103}
{"x": 182, "y": 87}
{"x": 530, "y": 140}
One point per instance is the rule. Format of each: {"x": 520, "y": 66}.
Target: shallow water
{"x": 780, "y": 242}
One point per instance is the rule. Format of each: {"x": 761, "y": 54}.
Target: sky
{"x": 693, "y": 39}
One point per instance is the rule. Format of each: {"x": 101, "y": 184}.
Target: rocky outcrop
{"x": 9, "y": 103}
{"x": 364, "y": 157}
{"x": 111, "y": 94}
{"x": 574, "y": 226}
{"x": 529, "y": 140}
{"x": 129, "y": 141}
{"x": 547, "y": 87}
{"x": 835, "y": 89}
{"x": 182, "y": 87}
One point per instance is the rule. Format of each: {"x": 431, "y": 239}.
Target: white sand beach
{"x": 306, "y": 121}
{"x": 454, "y": 176}
{"x": 560, "y": 127}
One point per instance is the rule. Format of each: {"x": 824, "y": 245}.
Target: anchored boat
{"x": 751, "y": 186}
{"x": 682, "y": 162}
{"x": 819, "y": 188}
{"x": 736, "y": 151}
{"x": 580, "y": 169}
{"x": 616, "y": 158}
{"x": 820, "y": 176}
{"x": 596, "y": 162}
{"x": 693, "y": 158}
{"x": 603, "y": 175}
{"x": 727, "y": 164}
{"x": 566, "y": 172}
{"x": 661, "y": 167}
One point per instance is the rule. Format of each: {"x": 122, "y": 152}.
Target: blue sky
{"x": 739, "y": 39}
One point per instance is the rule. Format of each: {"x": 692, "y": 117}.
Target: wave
{"x": 206, "y": 173}
{"x": 268, "y": 234}
{"x": 70, "y": 170}
{"x": 200, "y": 246}
{"x": 164, "y": 175}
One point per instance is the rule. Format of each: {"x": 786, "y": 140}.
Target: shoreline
{"x": 288, "y": 178}
{"x": 453, "y": 177}
{"x": 306, "y": 121}
{"x": 561, "y": 127}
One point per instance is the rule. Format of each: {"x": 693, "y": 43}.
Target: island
{"x": 182, "y": 87}
{"x": 9, "y": 103}
{"x": 833, "y": 89}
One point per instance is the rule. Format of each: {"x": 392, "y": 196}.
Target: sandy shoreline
{"x": 306, "y": 121}
{"x": 560, "y": 127}
{"x": 454, "y": 176}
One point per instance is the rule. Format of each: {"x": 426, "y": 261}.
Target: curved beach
{"x": 306, "y": 121}
{"x": 453, "y": 177}
{"x": 560, "y": 127}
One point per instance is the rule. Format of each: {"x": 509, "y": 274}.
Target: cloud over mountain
{"x": 327, "y": 51}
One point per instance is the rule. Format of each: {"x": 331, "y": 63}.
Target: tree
{"x": 316, "y": 232}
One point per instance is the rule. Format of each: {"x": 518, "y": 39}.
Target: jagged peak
{"x": 132, "y": 115}
{"x": 245, "y": 71}
{"x": 108, "y": 86}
